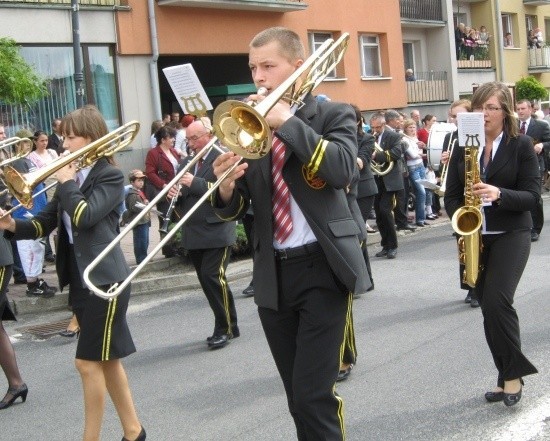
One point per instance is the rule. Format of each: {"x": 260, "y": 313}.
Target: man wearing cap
{"x": 134, "y": 199}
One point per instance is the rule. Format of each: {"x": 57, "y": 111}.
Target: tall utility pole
{"x": 78, "y": 74}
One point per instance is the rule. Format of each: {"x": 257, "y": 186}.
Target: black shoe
{"x": 512, "y": 399}
{"x": 235, "y": 333}
{"x": 141, "y": 437}
{"x": 468, "y": 298}
{"x": 344, "y": 374}
{"x": 382, "y": 253}
{"x": 392, "y": 253}
{"x": 406, "y": 227}
{"x": 474, "y": 303}
{"x": 218, "y": 341}
{"x": 49, "y": 258}
{"x": 249, "y": 291}
{"x": 14, "y": 394}
{"x": 432, "y": 216}
{"x": 494, "y": 397}
{"x": 422, "y": 224}
{"x": 40, "y": 289}
{"x": 70, "y": 334}
{"x": 534, "y": 236}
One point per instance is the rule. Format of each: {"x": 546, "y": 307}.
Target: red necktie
{"x": 282, "y": 221}
{"x": 522, "y": 128}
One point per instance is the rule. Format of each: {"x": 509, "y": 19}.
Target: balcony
{"x": 476, "y": 57}
{"x": 536, "y": 2}
{"x": 539, "y": 59}
{"x": 241, "y": 5}
{"x": 421, "y": 12}
{"x": 111, "y": 3}
{"x": 428, "y": 87}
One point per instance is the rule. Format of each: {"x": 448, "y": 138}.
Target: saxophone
{"x": 466, "y": 221}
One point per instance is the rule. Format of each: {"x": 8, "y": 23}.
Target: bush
{"x": 241, "y": 248}
{"x": 531, "y": 89}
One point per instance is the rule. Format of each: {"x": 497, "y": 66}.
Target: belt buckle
{"x": 281, "y": 254}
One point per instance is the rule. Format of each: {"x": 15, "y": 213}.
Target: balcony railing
{"x": 428, "y": 87}
{"x": 67, "y": 2}
{"x": 243, "y": 5}
{"x": 476, "y": 57}
{"x": 421, "y": 10}
{"x": 539, "y": 58}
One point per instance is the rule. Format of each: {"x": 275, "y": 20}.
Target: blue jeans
{"x": 141, "y": 241}
{"x": 417, "y": 172}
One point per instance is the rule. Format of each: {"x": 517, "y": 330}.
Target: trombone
{"x": 243, "y": 129}
{"x": 21, "y": 186}
{"x": 441, "y": 190}
{"x": 11, "y": 156}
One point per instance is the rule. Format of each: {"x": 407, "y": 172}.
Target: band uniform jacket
{"x": 367, "y": 185}
{"x": 320, "y": 161}
{"x": 203, "y": 229}
{"x": 514, "y": 169}
{"x": 539, "y": 131}
{"x": 94, "y": 212}
{"x": 391, "y": 144}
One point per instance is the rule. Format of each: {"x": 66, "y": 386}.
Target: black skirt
{"x": 6, "y": 312}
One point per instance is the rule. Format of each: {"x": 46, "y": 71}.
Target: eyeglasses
{"x": 194, "y": 138}
{"x": 489, "y": 109}
{"x": 376, "y": 127}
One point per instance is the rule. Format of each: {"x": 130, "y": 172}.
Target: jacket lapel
{"x": 502, "y": 156}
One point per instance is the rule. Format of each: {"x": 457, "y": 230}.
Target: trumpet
{"x": 10, "y": 143}
{"x": 243, "y": 129}
{"x": 21, "y": 186}
{"x": 380, "y": 168}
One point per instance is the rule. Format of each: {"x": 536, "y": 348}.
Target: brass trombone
{"x": 21, "y": 186}
{"x": 12, "y": 156}
{"x": 243, "y": 129}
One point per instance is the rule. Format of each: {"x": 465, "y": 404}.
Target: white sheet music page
{"x": 188, "y": 89}
{"x": 471, "y": 129}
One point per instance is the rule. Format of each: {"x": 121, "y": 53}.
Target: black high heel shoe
{"x": 513, "y": 399}
{"x": 141, "y": 437}
{"x": 494, "y": 397}
{"x": 15, "y": 393}
{"x": 70, "y": 334}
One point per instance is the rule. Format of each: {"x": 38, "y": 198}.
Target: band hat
{"x": 135, "y": 174}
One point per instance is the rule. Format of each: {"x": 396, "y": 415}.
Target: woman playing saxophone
{"x": 508, "y": 188}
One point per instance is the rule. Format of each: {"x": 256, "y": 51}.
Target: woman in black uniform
{"x": 84, "y": 208}
{"x": 16, "y": 387}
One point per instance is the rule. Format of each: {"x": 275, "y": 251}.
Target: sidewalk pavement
{"x": 161, "y": 275}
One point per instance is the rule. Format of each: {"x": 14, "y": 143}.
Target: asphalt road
{"x": 422, "y": 371}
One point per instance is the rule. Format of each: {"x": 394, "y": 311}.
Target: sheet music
{"x": 188, "y": 89}
{"x": 471, "y": 129}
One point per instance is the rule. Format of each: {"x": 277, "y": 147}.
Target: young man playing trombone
{"x": 307, "y": 256}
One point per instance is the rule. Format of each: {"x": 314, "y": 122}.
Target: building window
{"x": 316, "y": 39}
{"x": 56, "y": 65}
{"x": 508, "y": 30}
{"x": 370, "y": 56}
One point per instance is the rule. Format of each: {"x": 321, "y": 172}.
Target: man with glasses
{"x": 206, "y": 237}
{"x": 388, "y": 185}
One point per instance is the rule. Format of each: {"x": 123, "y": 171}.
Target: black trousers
{"x": 383, "y": 206}
{"x": 504, "y": 257}
{"x": 400, "y": 209}
{"x": 211, "y": 265}
{"x": 365, "y": 206}
{"x": 306, "y": 338}
{"x": 537, "y": 214}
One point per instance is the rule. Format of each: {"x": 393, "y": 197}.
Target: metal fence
{"x": 421, "y": 10}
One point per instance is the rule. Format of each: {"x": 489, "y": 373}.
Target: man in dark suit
{"x": 207, "y": 238}
{"x": 307, "y": 267}
{"x": 539, "y": 131}
{"x": 388, "y": 184}
{"x": 55, "y": 140}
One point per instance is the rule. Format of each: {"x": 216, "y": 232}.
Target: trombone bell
{"x": 19, "y": 187}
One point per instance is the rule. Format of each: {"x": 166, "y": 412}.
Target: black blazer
{"x": 55, "y": 143}
{"x": 367, "y": 185}
{"x": 539, "y": 131}
{"x": 320, "y": 162}
{"x": 94, "y": 212}
{"x": 391, "y": 144}
{"x": 203, "y": 229}
{"x": 514, "y": 169}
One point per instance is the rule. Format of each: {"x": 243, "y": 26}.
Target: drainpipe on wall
{"x": 500, "y": 43}
{"x": 153, "y": 69}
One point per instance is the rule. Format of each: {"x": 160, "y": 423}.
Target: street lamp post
{"x": 78, "y": 74}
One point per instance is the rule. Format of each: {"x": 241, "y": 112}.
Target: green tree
{"x": 529, "y": 88}
{"x": 19, "y": 83}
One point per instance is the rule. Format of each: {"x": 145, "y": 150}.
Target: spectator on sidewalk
{"x": 134, "y": 204}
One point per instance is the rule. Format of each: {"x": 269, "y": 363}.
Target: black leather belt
{"x": 291, "y": 253}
